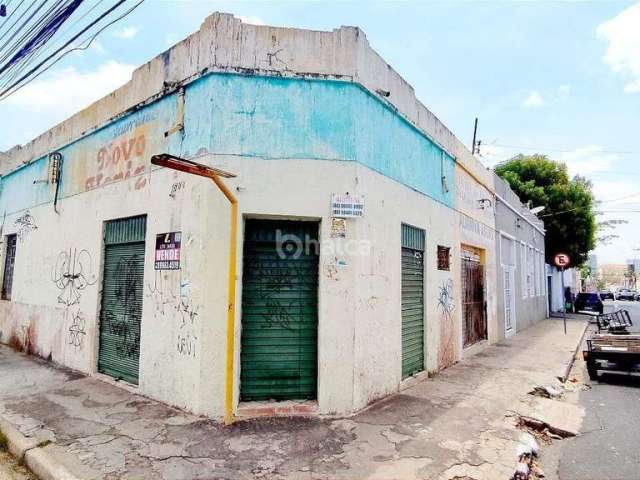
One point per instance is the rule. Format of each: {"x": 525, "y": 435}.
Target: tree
{"x": 568, "y": 216}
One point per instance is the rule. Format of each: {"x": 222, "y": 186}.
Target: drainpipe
{"x": 183, "y": 165}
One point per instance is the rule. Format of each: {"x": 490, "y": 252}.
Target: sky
{"x": 553, "y": 77}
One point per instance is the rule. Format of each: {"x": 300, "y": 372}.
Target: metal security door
{"x": 473, "y": 308}
{"x": 508, "y": 300}
{"x": 9, "y": 264}
{"x": 122, "y": 291}
{"x": 412, "y": 300}
{"x": 279, "y": 311}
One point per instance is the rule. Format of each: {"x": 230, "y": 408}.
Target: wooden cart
{"x": 613, "y": 353}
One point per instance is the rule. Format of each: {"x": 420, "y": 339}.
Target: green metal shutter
{"x": 279, "y": 311}
{"x": 412, "y": 300}
{"x": 122, "y": 291}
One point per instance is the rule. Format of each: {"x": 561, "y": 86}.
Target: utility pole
{"x": 475, "y": 131}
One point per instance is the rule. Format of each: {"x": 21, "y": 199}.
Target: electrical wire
{"x": 44, "y": 51}
{"x": 24, "y": 72}
{"x": 559, "y": 150}
{"x": 18, "y": 85}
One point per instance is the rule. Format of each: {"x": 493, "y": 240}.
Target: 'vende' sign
{"x": 168, "y": 251}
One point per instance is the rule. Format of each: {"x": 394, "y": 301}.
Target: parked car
{"x": 637, "y": 298}
{"x": 607, "y": 295}
{"x": 590, "y": 302}
{"x": 626, "y": 294}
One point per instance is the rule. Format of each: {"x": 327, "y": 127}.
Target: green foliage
{"x": 600, "y": 284}
{"x": 568, "y": 216}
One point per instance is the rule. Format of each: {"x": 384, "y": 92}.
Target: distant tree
{"x": 568, "y": 216}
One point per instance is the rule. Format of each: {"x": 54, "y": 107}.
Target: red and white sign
{"x": 562, "y": 260}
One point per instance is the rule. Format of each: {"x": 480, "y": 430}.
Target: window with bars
{"x": 9, "y": 261}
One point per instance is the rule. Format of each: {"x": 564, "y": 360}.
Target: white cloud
{"x": 534, "y": 100}
{"x": 126, "y": 33}
{"x": 564, "y": 90}
{"x": 588, "y": 160}
{"x": 252, "y": 20}
{"x": 622, "y": 33}
{"x": 65, "y": 91}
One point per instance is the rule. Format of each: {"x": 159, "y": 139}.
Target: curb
{"x": 564, "y": 374}
{"x": 28, "y": 450}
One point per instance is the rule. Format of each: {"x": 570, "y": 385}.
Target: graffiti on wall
{"x": 24, "y": 225}
{"x": 72, "y": 274}
{"x": 77, "y": 331}
{"x": 446, "y": 307}
{"x": 123, "y": 321}
{"x": 177, "y": 307}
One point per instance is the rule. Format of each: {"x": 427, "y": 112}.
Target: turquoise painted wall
{"x": 266, "y": 117}
{"x": 312, "y": 119}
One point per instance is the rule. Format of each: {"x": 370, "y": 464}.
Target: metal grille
{"x": 508, "y": 295}
{"x": 473, "y": 309}
{"x": 122, "y": 292}
{"x": 412, "y": 312}
{"x": 9, "y": 262}
{"x": 279, "y": 353}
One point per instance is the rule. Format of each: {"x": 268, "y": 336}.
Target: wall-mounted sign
{"x": 168, "y": 251}
{"x": 347, "y": 206}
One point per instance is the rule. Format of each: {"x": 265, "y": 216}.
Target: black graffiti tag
{"x": 123, "y": 321}
{"x": 25, "y": 224}
{"x": 77, "y": 330}
{"x": 72, "y": 273}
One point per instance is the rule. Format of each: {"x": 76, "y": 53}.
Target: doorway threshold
{"x": 272, "y": 408}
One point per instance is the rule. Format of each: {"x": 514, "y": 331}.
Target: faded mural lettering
{"x": 446, "y": 306}
{"x": 120, "y": 160}
{"x": 72, "y": 274}
{"x": 24, "y": 225}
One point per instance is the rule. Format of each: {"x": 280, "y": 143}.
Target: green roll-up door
{"x": 279, "y": 311}
{"x": 412, "y": 300}
{"x": 122, "y": 290}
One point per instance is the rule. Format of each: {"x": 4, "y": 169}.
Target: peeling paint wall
{"x": 295, "y": 127}
{"x": 270, "y": 132}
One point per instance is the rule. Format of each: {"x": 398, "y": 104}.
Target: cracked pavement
{"x": 455, "y": 425}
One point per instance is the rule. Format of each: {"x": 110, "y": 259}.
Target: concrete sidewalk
{"x": 459, "y": 424}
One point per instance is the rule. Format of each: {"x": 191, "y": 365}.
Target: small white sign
{"x": 347, "y": 206}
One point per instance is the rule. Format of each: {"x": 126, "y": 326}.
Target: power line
{"x": 560, "y": 150}
{"x": 17, "y": 86}
{"x": 18, "y": 78}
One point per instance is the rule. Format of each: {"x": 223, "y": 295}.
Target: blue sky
{"x": 561, "y": 78}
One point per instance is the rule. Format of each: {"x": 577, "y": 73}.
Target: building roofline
{"x": 224, "y": 43}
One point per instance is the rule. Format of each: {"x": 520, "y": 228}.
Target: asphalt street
{"x": 608, "y": 448}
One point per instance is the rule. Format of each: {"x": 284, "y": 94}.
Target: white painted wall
{"x": 359, "y": 305}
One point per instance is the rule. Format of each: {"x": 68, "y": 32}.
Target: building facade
{"x": 367, "y": 249}
{"x": 522, "y": 280}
